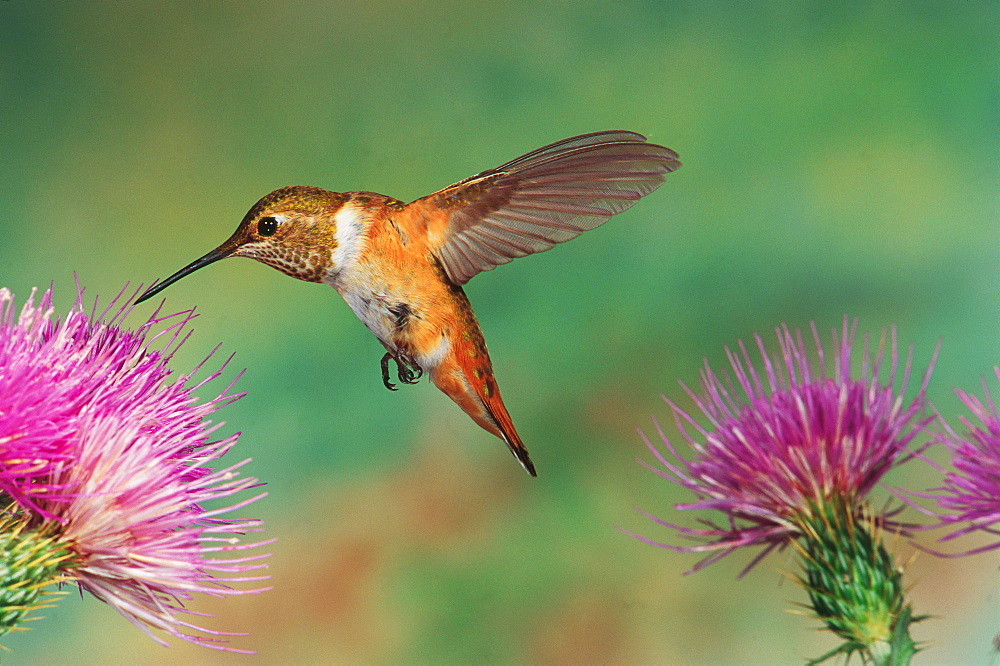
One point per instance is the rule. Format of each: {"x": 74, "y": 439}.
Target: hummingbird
{"x": 401, "y": 266}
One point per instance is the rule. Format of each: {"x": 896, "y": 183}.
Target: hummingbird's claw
{"x": 406, "y": 369}
{"x": 385, "y": 372}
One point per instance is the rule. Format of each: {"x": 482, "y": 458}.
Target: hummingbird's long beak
{"x": 209, "y": 258}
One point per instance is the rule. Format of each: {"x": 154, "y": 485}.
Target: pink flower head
{"x": 971, "y": 493}
{"x": 93, "y": 439}
{"x": 781, "y": 443}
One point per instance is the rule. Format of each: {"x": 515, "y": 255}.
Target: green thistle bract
{"x": 853, "y": 584}
{"x": 31, "y": 559}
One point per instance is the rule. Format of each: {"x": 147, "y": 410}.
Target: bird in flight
{"x": 401, "y": 266}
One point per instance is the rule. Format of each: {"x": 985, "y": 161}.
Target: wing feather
{"x": 535, "y": 201}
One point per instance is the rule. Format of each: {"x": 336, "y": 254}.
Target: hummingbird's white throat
{"x": 350, "y": 239}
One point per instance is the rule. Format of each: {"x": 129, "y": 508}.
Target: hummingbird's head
{"x": 293, "y": 229}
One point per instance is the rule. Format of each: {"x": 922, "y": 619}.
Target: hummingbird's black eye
{"x": 267, "y": 226}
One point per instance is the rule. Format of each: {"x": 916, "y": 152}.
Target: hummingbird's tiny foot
{"x": 406, "y": 369}
{"x": 385, "y": 372}
{"x": 409, "y": 372}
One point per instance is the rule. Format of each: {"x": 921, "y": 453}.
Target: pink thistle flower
{"x": 95, "y": 444}
{"x": 783, "y": 445}
{"x": 971, "y": 493}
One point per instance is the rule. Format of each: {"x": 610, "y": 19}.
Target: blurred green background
{"x": 837, "y": 159}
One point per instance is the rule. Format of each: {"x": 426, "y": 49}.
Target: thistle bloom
{"x": 971, "y": 493}
{"x": 105, "y": 467}
{"x": 788, "y": 457}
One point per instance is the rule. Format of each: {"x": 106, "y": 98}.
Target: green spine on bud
{"x": 853, "y": 584}
{"x": 30, "y": 560}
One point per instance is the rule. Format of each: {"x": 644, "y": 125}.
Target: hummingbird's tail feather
{"x": 466, "y": 376}
{"x": 453, "y": 353}
{"x": 488, "y": 408}
{"x": 498, "y": 413}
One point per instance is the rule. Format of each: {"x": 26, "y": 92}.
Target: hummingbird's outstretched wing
{"x": 545, "y": 197}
